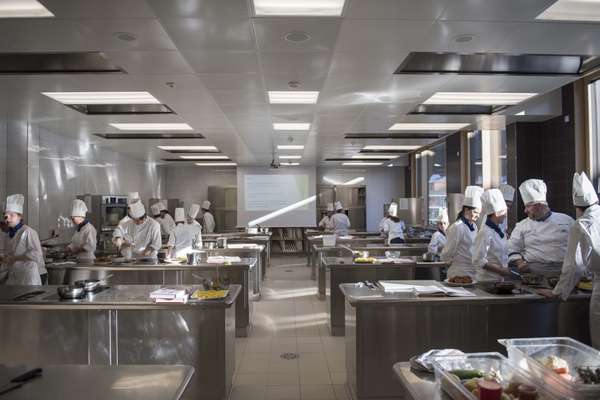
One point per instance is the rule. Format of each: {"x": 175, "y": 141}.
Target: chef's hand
{"x": 547, "y": 293}
{"x": 147, "y": 252}
{"x": 522, "y": 265}
{"x": 506, "y": 272}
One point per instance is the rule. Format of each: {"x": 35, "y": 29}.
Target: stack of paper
{"x": 420, "y": 290}
{"x": 223, "y": 260}
{"x": 168, "y": 295}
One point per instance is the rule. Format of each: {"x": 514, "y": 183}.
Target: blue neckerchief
{"x": 81, "y": 225}
{"x": 467, "y": 223}
{"x": 13, "y": 231}
{"x": 545, "y": 217}
{"x": 495, "y": 227}
{"x": 442, "y": 232}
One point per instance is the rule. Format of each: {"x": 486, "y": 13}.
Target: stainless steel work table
{"x": 100, "y": 382}
{"x": 263, "y": 239}
{"x": 241, "y": 273}
{"x": 317, "y": 241}
{"x": 418, "y": 385}
{"x": 345, "y": 270}
{"x": 383, "y": 329}
{"x": 122, "y": 326}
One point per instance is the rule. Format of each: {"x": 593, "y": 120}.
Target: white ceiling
{"x": 222, "y": 62}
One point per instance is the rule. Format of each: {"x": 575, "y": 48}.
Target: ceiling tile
{"x": 210, "y": 33}
{"x": 270, "y": 34}
{"x": 222, "y": 61}
{"x": 395, "y": 9}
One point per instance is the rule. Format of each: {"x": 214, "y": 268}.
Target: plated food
{"x": 460, "y": 281}
{"x": 365, "y": 260}
{"x": 583, "y": 374}
{"x": 490, "y": 385}
{"x": 209, "y": 294}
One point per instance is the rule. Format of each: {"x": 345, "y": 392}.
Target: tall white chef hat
{"x": 508, "y": 192}
{"x": 338, "y": 206}
{"x": 492, "y": 202}
{"x": 161, "y": 206}
{"x": 137, "y": 210}
{"x": 393, "y": 210}
{"x": 14, "y": 203}
{"x": 155, "y": 209}
{"x": 330, "y": 207}
{"x": 179, "y": 215}
{"x": 584, "y": 194}
{"x": 206, "y": 205}
{"x": 194, "y": 210}
{"x": 533, "y": 191}
{"x": 443, "y": 216}
{"x": 132, "y": 197}
{"x": 78, "y": 209}
{"x": 473, "y": 197}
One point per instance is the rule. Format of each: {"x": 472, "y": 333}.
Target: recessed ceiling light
{"x": 102, "y": 97}
{"x": 297, "y": 37}
{"x": 324, "y": 8}
{"x": 293, "y": 97}
{"x": 366, "y": 164}
{"x": 290, "y": 147}
{"x": 217, "y": 164}
{"x": 188, "y": 148}
{"x": 378, "y": 156}
{"x": 291, "y": 126}
{"x": 426, "y": 126}
{"x": 23, "y": 9}
{"x": 290, "y": 157}
{"x": 521, "y": 113}
{"x": 152, "y": 127}
{"x": 391, "y": 147}
{"x": 479, "y": 98}
{"x": 125, "y": 36}
{"x": 572, "y": 10}
{"x": 204, "y": 157}
{"x": 290, "y": 164}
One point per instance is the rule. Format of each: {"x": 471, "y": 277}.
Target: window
{"x": 594, "y": 139}
{"x": 436, "y": 182}
{"x": 475, "y": 159}
{"x": 488, "y": 164}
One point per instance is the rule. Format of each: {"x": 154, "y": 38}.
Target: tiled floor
{"x": 289, "y": 319}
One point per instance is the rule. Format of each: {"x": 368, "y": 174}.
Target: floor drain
{"x": 290, "y": 356}
{"x": 289, "y": 270}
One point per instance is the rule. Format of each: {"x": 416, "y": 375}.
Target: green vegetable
{"x": 467, "y": 373}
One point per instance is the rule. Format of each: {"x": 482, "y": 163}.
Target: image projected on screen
{"x": 272, "y": 192}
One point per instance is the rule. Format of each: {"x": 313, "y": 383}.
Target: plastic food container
{"x": 506, "y": 373}
{"x": 528, "y": 354}
{"x": 328, "y": 240}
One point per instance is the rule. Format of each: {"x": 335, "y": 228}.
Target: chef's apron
{"x": 595, "y": 313}
{"x": 545, "y": 269}
{"x": 21, "y": 272}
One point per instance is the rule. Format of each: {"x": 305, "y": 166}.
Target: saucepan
{"x": 90, "y": 285}
{"x": 71, "y": 292}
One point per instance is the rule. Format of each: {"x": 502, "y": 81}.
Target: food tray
{"x": 525, "y": 354}
{"x": 485, "y": 362}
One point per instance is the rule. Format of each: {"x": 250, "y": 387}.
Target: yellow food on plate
{"x": 365, "y": 260}
{"x": 585, "y": 285}
{"x": 209, "y": 294}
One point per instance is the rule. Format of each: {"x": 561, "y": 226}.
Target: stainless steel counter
{"x": 242, "y": 273}
{"x": 418, "y": 385}
{"x": 383, "y": 329}
{"x": 263, "y": 239}
{"x": 99, "y": 382}
{"x": 121, "y": 326}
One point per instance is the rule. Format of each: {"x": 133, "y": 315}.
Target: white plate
{"x": 452, "y": 284}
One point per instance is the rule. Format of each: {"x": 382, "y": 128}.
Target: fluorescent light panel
{"x": 23, "y": 9}
{"x": 189, "y": 148}
{"x": 478, "y": 98}
{"x": 290, "y": 157}
{"x": 366, "y": 164}
{"x": 293, "y": 97}
{"x": 391, "y": 147}
{"x": 323, "y": 8}
{"x": 426, "y": 126}
{"x": 290, "y": 147}
{"x": 204, "y": 157}
{"x": 152, "y": 126}
{"x": 289, "y": 164}
{"x": 378, "y": 156}
{"x": 102, "y": 97}
{"x": 572, "y": 10}
{"x": 217, "y": 164}
{"x": 291, "y": 126}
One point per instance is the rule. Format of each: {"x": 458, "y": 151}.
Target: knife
{"x": 21, "y": 380}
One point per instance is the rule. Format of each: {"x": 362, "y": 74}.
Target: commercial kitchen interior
{"x": 367, "y": 102}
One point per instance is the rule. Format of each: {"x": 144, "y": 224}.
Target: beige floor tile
{"x": 338, "y": 378}
{"x": 258, "y": 345}
{"x": 248, "y": 392}
{"x": 279, "y": 365}
{"x": 254, "y": 364}
{"x": 276, "y": 379}
{"x": 251, "y": 379}
{"x": 342, "y": 392}
{"x": 282, "y": 392}
{"x": 315, "y": 377}
{"x": 317, "y": 392}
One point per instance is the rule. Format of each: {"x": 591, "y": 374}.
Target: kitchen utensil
{"x": 90, "y": 285}
{"x": 193, "y": 258}
{"x": 20, "y": 380}
{"x": 28, "y": 295}
{"x": 532, "y": 279}
{"x": 222, "y": 243}
{"x": 70, "y": 292}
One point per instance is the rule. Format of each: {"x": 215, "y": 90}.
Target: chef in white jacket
{"x": 141, "y": 234}
{"x": 393, "y": 227}
{"x": 118, "y": 233}
{"x": 23, "y": 251}
{"x": 208, "y": 221}
{"x": 83, "y": 243}
{"x": 167, "y": 224}
{"x": 583, "y": 251}
{"x": 183, "y": 236}
{"x": 192, "y": 214}
{"x": 340, "y": 221}
{"x": 326, "y": 223}
{"x": 490, "y": 251}
{"x": 461, "y": 236}
{"x": 438, "y": 239}
{"x": 538, "y": 243}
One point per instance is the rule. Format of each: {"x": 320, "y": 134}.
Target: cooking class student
{"x": 583, "y": 251}
{"x": 461, "y": 236}
{"x": 132, "y": 197}
{"x": 140, "y": 237}
{"x": 208, "y": 220}
{"x": 382, "y": 221}
{"x": 162, "y": 216}
{"x": 538, "y": 243}
{"x": 326, "y": 223}
{"x": 393, "y": 227}
{"x": 438, "y": 239}
{"x": 23, "y": 256}
{"x": 83, "y": 242}
{"x": 340, "y": 221}
{"x": 490, "y": 250}
{"x": 192, "y": 214}
{"x": 184, "y": 235}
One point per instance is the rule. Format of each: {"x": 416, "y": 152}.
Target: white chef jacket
{"x": 85, "y": 238}
{"x": 459, "y": 249}
{"x": 25, "y": 242}
{"x": 182, "y": 238}
{"x": 167, "y": 224}
{"x": 540, "y": 242}
{"x": 393, "y": 230}
{"x": 208, "y": 222}
{"x": 489, "y": 249}
{"x": 437, "y": 243}
{"x": 326, "y": 223}
{"x": 503, "y": 225}
{"x": 142, "y": 236}
{"x": 381, "y": 223}
{"x": 119, "y": 230}
{"x": 341, "y": 224}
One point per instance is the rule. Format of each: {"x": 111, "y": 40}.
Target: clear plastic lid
{"x": 533, "y": 354}
{"x": 491, "y": 364}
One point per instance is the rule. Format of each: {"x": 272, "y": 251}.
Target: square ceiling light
{"x": 102, "y": 97}
{"x": 291, "y": 126}
{"x": 426, "y": 126}
{"x": 290, "y": 147}
{"x": 363, "y": 164}
{"x": 188, "y": 148}
{"x": 391, "y": 147}
{"x": 478, "y": 98}
{"x": 322, "y": 8}
{"x": 152, "y": 127}
{"x": 375, "y": 157}
{"x": 204, "y": 157}
{"x": 293, "y": 97}
{"x": 289, "y": 157}
{"x": 217, "y": 164}
{"x": 23, "y": 9}
{"x": 572, "y": 10}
